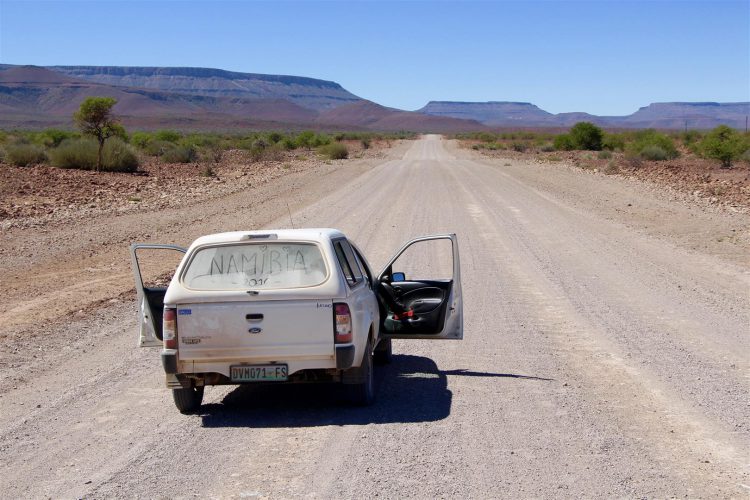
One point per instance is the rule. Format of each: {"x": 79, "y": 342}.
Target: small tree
{"x": 95, "y": 118}
{"x": 724, "y": 144}
{"x": 586, "y": 135}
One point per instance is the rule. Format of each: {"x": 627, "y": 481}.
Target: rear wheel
{"x": 189, "y": 399}
{"x": 384, "y": 352}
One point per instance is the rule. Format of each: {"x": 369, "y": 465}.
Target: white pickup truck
{"x": 293, "y": 305}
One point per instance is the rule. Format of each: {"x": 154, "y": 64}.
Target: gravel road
{"x": 606, "y": 351}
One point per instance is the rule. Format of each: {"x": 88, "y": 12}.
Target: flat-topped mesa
{"x": 489, "y": 113}
{"x": 307, "y": 92}
{"x": 719, "y": 110}
{"x": 656, "y": 115}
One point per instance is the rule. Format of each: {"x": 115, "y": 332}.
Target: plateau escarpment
{"x": 657, "y": 115}
{"x": 306, "y": 92}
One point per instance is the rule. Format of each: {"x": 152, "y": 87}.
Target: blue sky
{"x": 602, "y": 57}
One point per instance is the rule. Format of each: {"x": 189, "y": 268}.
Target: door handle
{"x": 253, "y": 317}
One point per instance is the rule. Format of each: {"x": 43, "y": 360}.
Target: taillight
{"x": 342, "y": 324}
{"x": 169, "y": 328}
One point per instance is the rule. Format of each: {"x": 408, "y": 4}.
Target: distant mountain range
{"x": 673, "y": 115}
{"x": 204, "y": 98}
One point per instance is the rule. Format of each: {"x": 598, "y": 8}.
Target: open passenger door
{"x": 150, "y": 296}
{"x": 420, "y": 291}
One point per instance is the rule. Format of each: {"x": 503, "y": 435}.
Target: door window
{"x": 426, "y": 260}
{"x": 348, "y": 263}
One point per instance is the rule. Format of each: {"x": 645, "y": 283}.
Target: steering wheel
{"x": 386, "y": 292}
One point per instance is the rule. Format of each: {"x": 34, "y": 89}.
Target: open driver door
{"x": 421, "y": 290}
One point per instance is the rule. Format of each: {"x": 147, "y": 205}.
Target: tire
{"x": 363, "y": 394}
{"x": 384, "y": 352}
{"x": 188, "y": 400}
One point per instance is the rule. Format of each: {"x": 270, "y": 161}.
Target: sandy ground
{"x": 605, "y": 351}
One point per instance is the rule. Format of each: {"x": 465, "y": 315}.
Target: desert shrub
{"x": 334, "y": 151}
{"x": 117, "y": 156}
{"x": 492, "y": 146}
{"x": 199, "y": 140}
{"x": 3, "y": 137}
{"x": 140, "y": 139}
{"x": 365, "y": 142}
{"x": 274, "y": 152}
{"x": 654, "y": 153}
{"x": 304, "y": 139}
{"x": 604, "y": 155}
{"x": 320, "y": 140}
{"x": 157, "y": 148}
{"x": 257, "y": 149}
{"x": 23, "y": 155}
{"x": 486, "y": 137}
{"x": 80, "y": 154}
{"x": 564, "y": 142}
{"x": 262, "y": 150}
{"x": 613, "y": 142}
{"x": 2, "y": 155}
{"x": 245, "y": 143}
{"x": 547, "y": 148}
{"x": 519, "y": 146}
{"x": 179, "y": 154}
{"x": 587, "y": 136}
{"x": 52, "y": 137}
{"x": 649, "y": 138}
{"x": 288, "y": 143}
{"x": 210, "y": 154}
{"x": 690, "y": 137}
{"x": 167, "y": 135}
{"x": 275, "y": 137}
{"x": 402, "y": 134}
{"x": 724, "y": 144}
{"x": 745, "y": 156}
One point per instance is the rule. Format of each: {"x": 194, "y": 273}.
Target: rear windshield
{"x": 255, "y": 265}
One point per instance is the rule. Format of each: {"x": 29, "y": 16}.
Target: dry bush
{"x": 654, "y": 153}
{"x": 179, "y": 154}
{"x": 334, "y": 151}
{"x": 23, "y": 155}
{"x": 82, "y": 154}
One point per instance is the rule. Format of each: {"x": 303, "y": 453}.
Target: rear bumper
{"x": 222, "y": 366}
{"x": 169, "y": 361}
{"x": 344, "y": 356}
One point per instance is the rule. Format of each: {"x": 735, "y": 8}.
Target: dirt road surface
{"x": 606, "y": 350}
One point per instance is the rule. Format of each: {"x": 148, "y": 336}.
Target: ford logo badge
{"x": 255, "y": 330}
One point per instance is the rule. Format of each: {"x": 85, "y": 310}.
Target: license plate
{"x": 258, "y": 373}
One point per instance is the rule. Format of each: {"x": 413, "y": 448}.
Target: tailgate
{"x": 256, "y": 331}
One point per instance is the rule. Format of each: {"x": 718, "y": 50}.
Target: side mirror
{"x": 398, "y": 277}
